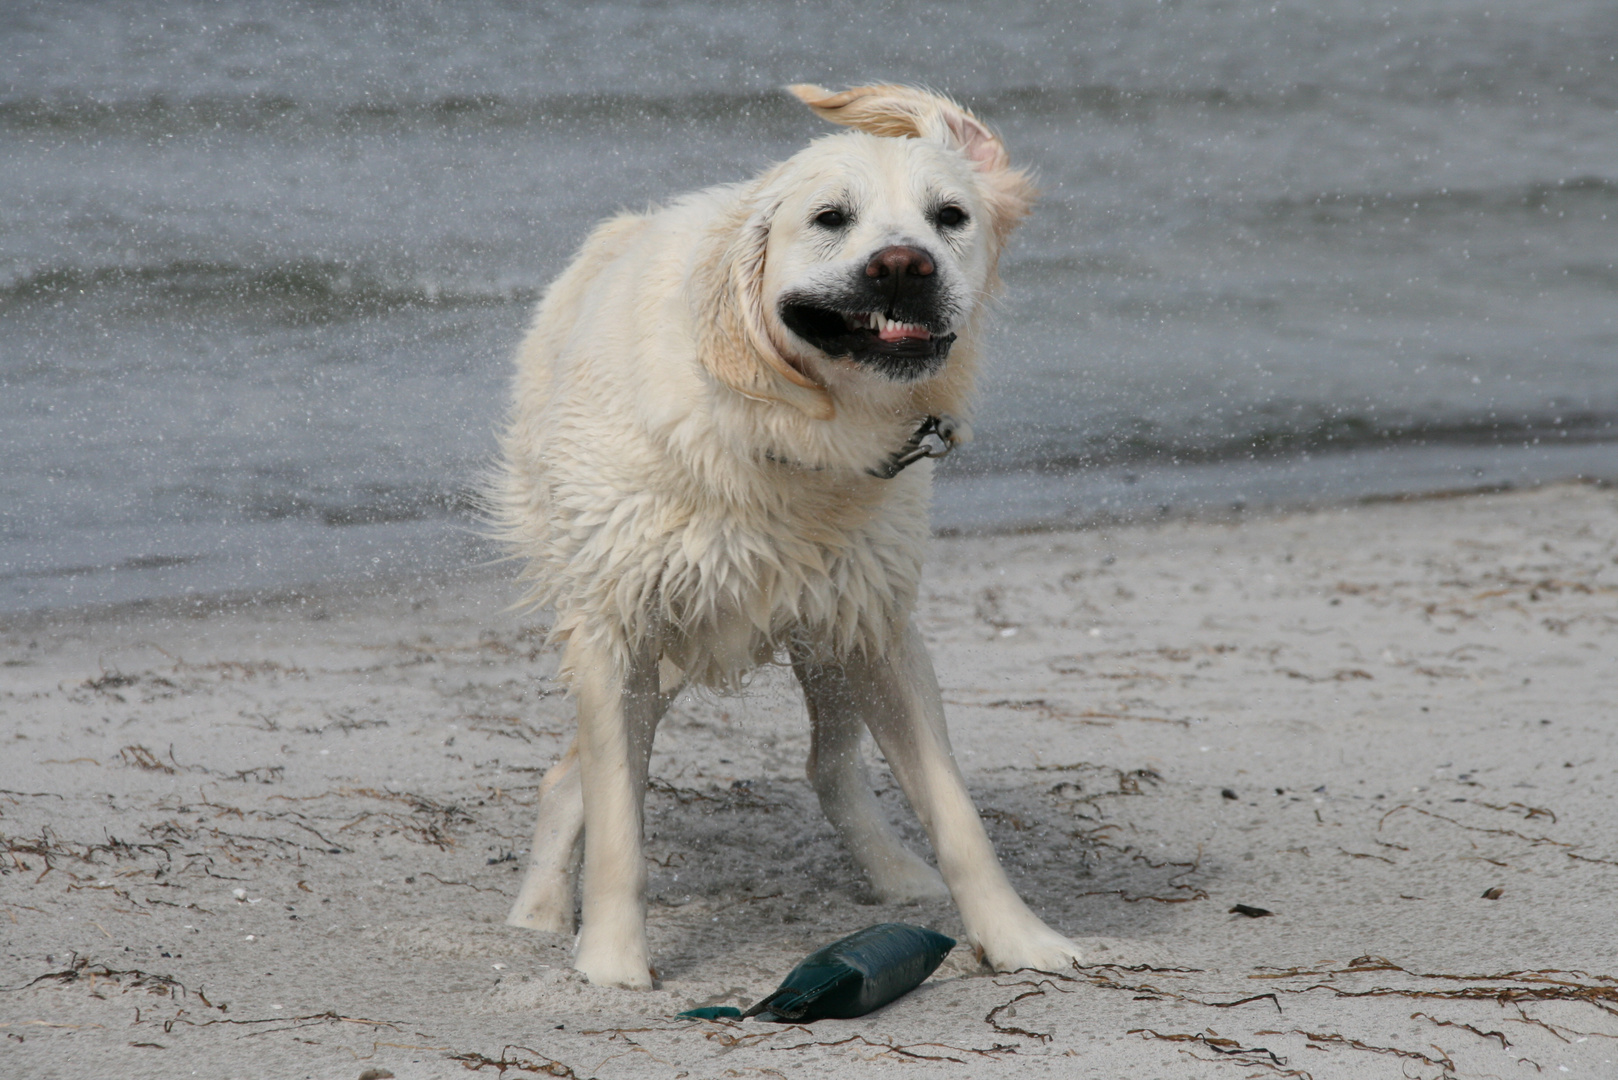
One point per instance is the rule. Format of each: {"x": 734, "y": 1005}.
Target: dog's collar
{"x": 918, "y": 447}
{"x": 937, "y": 429}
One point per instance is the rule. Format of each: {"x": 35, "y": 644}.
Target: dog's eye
{"x": 831, "y": 219}
{"x": 950, "y": 216}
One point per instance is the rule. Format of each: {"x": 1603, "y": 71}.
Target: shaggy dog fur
{"x": 702, "y": 406}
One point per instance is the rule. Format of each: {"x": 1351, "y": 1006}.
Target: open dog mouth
{"x": 901, "y": 348}
{"x": 888, "y": 329}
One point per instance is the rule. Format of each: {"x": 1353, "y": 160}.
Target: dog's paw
{"x": 544, "y": 903}
{"x": 1026, "y": 944}
{"x": 630, "y": 969}
{"x": 546, "y": 918}
{"x": 912, "y": 882}
{"x": 627, "y": 976}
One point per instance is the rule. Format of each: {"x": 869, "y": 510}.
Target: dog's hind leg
{"x": 837, "y": 772}
{"x": 897, "y": 697}
{"x": 545, "y": 901}
{"x": 618, "y": 714}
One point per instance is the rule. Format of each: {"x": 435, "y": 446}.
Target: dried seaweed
{"x": 287, "y": 1023}
{"x": 1442, "y": 1062}
{"x": 730, "y": 1034}
{"x": 1271, "y": 998}
{"x": 1504, "y": 1043}
{"x": 1196, "y": 894}
{"x": 1038, "y": 989}
{"x": 80, "y": 969}
{"x": 1520, "y": 988}
{"x": 294, "y": 818}
{"x": 1099, "y": 977}
{"x": 1528, "y": 812}
{"x": 1550, "y": 981}
{"x": 47, "y": 847}
{"x": 1370, "y": 962}
{"x": 1535, "y": 840}
{"x": 431, "y": 820}
{"x": 1340, "y": 675}
{"x": 141, "y": 758}
{"x": 538, "y": 1063}
{"x": 1367, "y": 855}
{"x": 907, "y": 1050}
{"x": 1604, "y": 998}
{"x": 468, "y": 884}
{"x": 1228, "y": 1049}
{"x": 259, "y": 774}
{"x": 430, "y": 825}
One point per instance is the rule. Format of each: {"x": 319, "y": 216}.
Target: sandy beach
{"x": 278, "y": 838}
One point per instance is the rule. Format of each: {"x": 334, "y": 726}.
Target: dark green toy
{"x": 863, "y": 971}
{"x": 711, "y": 1012}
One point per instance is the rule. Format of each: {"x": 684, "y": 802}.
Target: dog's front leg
{"x": 898, "y": 697}
{"x": 618, "y": 712}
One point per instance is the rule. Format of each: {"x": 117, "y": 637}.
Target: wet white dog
{"x": 705, "y": 470}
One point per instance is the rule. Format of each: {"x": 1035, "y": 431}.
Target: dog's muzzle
{"x": 890, "y": 315}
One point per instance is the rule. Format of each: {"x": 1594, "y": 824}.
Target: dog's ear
{"x": 734, "y": 339}
{"x": 906, "y": 112}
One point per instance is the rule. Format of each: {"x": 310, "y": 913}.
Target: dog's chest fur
{"x": 724, "y": 565}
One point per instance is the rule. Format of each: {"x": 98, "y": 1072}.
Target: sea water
{"x": 263, "y": 267}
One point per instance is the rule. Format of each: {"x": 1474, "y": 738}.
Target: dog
{"x": 710, "y": 464}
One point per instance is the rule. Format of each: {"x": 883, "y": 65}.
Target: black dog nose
{"x": 899, "y": 261}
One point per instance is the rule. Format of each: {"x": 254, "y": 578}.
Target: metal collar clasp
{"x": 933, "y": 439}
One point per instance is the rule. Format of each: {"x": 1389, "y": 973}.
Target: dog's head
{"x": 867, "y": 255}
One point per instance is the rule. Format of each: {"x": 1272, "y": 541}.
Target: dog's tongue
{"x": 902, "y": 333}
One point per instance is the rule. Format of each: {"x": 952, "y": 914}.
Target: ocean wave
{"x": 364, "y": 504}
{"x": 308, "y": 288}
{"x": 135, "y": 563}
{"x": 1535, "y": 196}
{"x": 165, "y": 115}
{"x": 1142, "y": 443}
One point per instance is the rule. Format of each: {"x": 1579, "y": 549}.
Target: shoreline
{"x": 1360, "y": 718}
{"x": 201, "y": 603}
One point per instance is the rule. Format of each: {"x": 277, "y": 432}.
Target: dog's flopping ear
{"x": 734, "y": 338}
{"x": 906, "y": 112}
